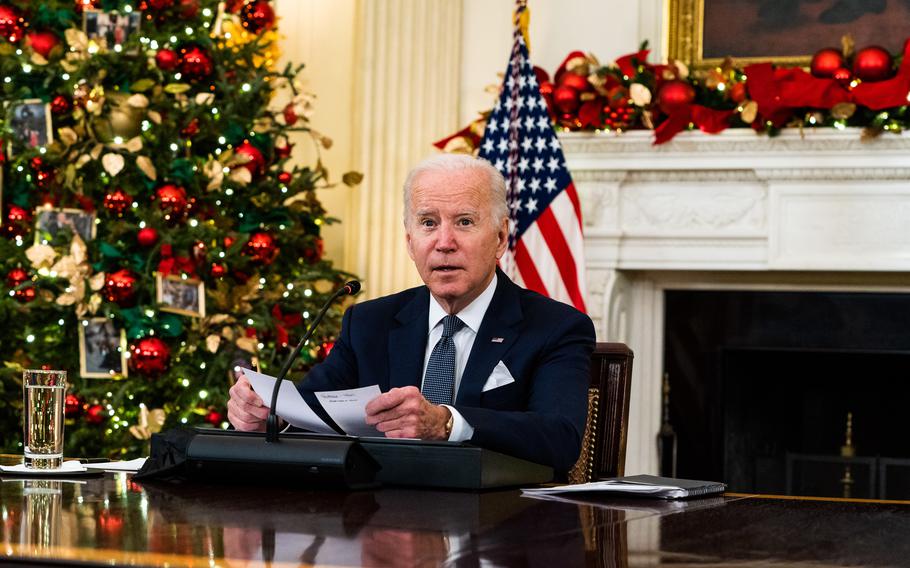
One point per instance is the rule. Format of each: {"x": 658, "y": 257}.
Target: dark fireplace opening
{"x": 762, "y": 383}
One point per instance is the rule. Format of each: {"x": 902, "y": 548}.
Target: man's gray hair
{"x": 461, "y": 162}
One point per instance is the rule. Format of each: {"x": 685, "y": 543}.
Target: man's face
{"x": 452, "y": 237}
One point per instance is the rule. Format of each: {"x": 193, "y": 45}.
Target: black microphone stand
{"x": 271, "y": 423}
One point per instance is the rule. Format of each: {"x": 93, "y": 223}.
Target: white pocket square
{"x": 500, "y": 377}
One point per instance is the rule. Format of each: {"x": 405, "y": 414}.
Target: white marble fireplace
{"x": 813, "y": 210}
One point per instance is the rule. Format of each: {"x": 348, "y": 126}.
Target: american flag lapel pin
{"x": 497, "y": 340}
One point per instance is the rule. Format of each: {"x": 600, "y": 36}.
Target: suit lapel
{"x": 408, "y": 341}
{"x": 500, "y": 322}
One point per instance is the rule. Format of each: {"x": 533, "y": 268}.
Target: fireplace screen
{"x": 790, "y": 392}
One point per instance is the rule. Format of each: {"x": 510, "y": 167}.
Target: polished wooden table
{"x": 112, "y": 520}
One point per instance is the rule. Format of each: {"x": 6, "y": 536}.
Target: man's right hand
{"x": 246, "y": 410}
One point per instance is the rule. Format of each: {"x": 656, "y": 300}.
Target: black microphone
{"x": 271, "y": 424}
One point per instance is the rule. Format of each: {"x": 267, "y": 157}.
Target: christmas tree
{"x": 155, "y": 228}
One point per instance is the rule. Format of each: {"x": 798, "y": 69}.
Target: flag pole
{"x": 520, "y": 19}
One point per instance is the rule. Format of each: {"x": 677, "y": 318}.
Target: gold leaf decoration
{"x": 113, "y": 163}
{"x": 41, "y": 256}
{"x": 640, "y": 94}
{"x": 144, "y": 163}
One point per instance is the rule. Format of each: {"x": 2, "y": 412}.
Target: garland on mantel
{"x": 867, "y": 89}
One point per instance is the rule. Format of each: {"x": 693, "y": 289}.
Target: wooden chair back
{"x": 603, "y": 449}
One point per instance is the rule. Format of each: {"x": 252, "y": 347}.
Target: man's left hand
{"x": 404, "y": 413}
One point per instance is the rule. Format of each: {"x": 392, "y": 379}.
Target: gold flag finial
{"x": 522, "y": 19}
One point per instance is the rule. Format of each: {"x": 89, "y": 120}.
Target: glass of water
{"x": 43, "y": 393}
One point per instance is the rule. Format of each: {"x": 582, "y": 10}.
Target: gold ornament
{"x": 123, "y": 120}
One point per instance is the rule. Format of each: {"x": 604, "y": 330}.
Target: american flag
{"x": 546, "y": 250}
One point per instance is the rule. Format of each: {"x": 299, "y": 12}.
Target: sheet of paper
{"x": 129, "y": 466}
{"x": 347, "y": 409}
{"x": 291, "y": 405}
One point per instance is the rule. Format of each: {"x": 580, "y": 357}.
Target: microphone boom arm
{"x": 271, "y": 423}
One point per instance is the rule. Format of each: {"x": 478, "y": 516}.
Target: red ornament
{"x": 147, "y": 237}
{"x": 94, "y": 414}
{"x": 566, "y": 99}
{"x": 25, "y": 295}
{"x": 172, "y": 199}
{"x": 255, "y": 161}
{"x": 872, "y": 63}
{"x": 218, "y": 270}
{"x": 214, "y": 418}
{"x": 61, "y": 104}
{"x": 166, "y": 59}
{"x": 72, "y": 406}
{"x": 314, "y": 254}
{"x": 282, "y": 152}
{"x": 120, "y": 288}
{"x": 14, "y": 279}
{"x": 117, "y": 201}
{"x": 160, "y": 4}
{"x": 149, "y": 356}
{"x": 16, "y": 276}
{"x": 842, "y": 76}
{"x": 17, "y": 221}
{"x": 229, "y": 241}
{"x": 195, "y": 62}
{"x": 190, "y": 129}
{"x": 738, "y": 92}
{"x": 17, "y": 214}
{"x": 257, "y": 15}
{"x": 674, "y": 95}
{"x": 826, "y": 61}
{"x": 290, "y": 115}
{"x": 261, "y": 248}
{"x": 11, "y": 23}
{"x": 42, "y": 42}
{"x": 284, "y": 177}
{"x": 574, "y": 80}
{"x": 189, "y": 9}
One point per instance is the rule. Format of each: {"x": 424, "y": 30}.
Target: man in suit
{"x": 470, "y": 356}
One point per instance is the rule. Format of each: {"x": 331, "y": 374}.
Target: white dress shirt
{"x": 472, "y": 316}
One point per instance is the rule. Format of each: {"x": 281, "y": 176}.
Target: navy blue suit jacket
{"x": 546, "y": 345}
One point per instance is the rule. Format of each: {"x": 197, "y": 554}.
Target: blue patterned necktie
{"x": 439, "y": 381}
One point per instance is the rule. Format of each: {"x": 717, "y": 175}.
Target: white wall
{"x": 320, "y": 34}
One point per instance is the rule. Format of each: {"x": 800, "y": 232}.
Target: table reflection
{"x": 112, "y": 519}
{"x": 42, "y": 512}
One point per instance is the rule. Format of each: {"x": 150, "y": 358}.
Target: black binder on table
{"x": 450, "y": 465}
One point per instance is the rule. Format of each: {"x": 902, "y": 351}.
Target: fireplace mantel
{"x": 812, "y": 209}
